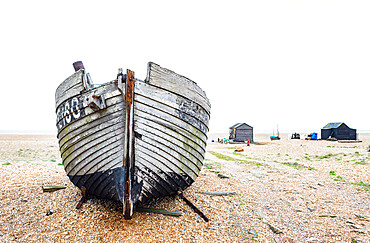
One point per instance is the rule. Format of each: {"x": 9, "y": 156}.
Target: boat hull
{"x": 170, "y": 125}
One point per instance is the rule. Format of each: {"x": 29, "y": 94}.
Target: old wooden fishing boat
{"x": 132, "y": 140}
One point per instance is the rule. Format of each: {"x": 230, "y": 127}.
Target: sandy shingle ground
{"x": 308, "y": 191}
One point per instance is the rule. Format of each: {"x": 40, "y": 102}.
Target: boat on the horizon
{"x": 132, "y": 140}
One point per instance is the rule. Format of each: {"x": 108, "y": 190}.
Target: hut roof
{"x": 239, "y": 124}
{"x": 333, "y": 125}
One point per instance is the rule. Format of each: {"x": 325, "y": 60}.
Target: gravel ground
{"x": 306, "y": 191}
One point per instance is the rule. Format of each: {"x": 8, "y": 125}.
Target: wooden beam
{"x": 128, "y": 159}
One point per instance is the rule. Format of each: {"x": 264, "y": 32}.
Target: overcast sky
{"x": 298, "y": 64}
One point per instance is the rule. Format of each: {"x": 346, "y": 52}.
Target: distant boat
{"x": 273, "y": 137}
{"x": 132, "y": 140}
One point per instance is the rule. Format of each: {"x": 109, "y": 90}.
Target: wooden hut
{"x": 241, "y": 132}
{"x": 339, "y": 131}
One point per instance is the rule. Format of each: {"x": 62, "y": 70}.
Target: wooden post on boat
{"x": 128, "y": 159}
{"x": 78, "y": 65}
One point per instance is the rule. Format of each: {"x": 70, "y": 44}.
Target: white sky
{"x": 299, "y": 64}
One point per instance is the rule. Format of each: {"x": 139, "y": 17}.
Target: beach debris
{"x": 218, "y": 193}
{"x": 239, "y": 149}
{"x": 83, "y": 199}
{"x": 311, "y": 209}
{"x": 52, "y": 188}
{"x": 274, "y": 228}
{"x": 181, "y": 195}
{"x": 223, "y": 176}
{"x": 159, "y": 211}
{"x": 327, "y": 216}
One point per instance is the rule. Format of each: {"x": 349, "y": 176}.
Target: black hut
{"x": 339, "y": 131}
{"x": 241, "y": 132}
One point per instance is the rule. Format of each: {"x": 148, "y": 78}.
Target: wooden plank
{"x": 175, "y": 101}
{"x": 90, "y": 164}
{"x": 104, "y": 144}
{"x": 159, "y": 211}
{"x": 170, "y": 170}
{"x": 129, "y": 159}
{"x": 167, "y": 156}
{"x": 172, "y": 144}
{"x": 169, "y": 128}
{"x": 77, "y": 104}
{"x": 152, "y": 179}
{"x": 172, "y": 121}
{"x": 92, "y": 180}
{"x": 154, "y": 105}
{"x": 171, "y": 81}
{"x": 174, "y": 141}
{"x": 217, "y": 193}
{"x": 172, "y": 152}
{"x": 84, "y": 123}
{"x": 81, "y": 134}
{"x": 70, "y": 87}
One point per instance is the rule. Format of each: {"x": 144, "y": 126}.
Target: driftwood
{"x": 52, "y": 188}
{"x": 217, "y": 193}
{"x": 223, "y": 176}
{"x": 159, "y": 211}
{"x": 181, "y": 195}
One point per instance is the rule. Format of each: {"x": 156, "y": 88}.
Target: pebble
{"x": 252, "y": 232}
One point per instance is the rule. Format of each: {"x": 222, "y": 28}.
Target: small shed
{"x": 338, "y": 130}
{"x": 241, "y": 132}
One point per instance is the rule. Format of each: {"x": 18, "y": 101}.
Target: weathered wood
{"x": 160, "y": 156}
{"x": 187, "y": 132}
{"x": 129, "y": 150}
{"x": 205, "y": 218}
{"x": 173, "y": 100}
{"x": 52, "y": 188}
{"x": 159, "y": 211}
{"x": 163, "y": 117}
{"x": 154, "y": 105}
{"x": 70, "y": 87}
{"x": 194, "y": 145}
{"x": 171, "y": 146}
{"x": 218, "y": 193}
{"x": 146, "y": 145}
{"x": 171, "y": 81}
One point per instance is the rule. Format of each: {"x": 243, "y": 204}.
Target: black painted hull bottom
{"x": 110, "y": 184}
